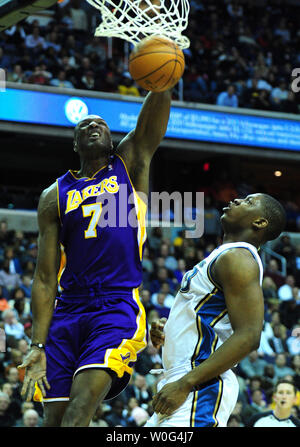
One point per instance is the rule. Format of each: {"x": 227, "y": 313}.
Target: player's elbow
{"x": 254, "y": 339}
{"x": 249, "y": 339}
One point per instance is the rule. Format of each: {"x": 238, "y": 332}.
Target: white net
{"x": 133, "y": 20}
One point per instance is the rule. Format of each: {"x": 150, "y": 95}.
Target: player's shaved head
{"x": 275, "y": 214}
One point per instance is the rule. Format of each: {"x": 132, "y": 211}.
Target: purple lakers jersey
{"x": 102, "y": 232}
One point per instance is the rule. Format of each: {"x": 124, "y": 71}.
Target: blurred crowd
{"x": 242, "y": 53}
{"x": 166, "y": 259}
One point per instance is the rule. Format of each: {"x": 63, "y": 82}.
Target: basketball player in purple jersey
{"x": 86, "y": 341}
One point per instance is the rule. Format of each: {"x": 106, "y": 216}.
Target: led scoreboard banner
{"x": 196, "y": 123}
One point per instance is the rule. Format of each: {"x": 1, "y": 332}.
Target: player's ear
{"x": 75, "y": 145}
{"x": 260, "y": 223}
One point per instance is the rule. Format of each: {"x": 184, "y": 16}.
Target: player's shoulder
{"x": 48, "y": 202}
{"x": 237, "y": 258}
{"x": 49, "y": 193}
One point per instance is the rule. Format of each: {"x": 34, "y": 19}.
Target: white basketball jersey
{"x": 198, "y": 322}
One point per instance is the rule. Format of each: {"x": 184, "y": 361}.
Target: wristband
{"x": 38, "y": 345}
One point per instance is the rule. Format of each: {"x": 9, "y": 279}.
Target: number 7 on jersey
{"x": 92, "y": 210}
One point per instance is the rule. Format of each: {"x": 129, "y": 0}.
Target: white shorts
{"x": 210, "y": 406}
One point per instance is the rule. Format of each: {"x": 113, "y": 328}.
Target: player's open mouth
{"x": 94, "y": 135}
{"x": 227, "y": 207}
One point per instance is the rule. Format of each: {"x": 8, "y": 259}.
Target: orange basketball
{"x": 156, "y": 64}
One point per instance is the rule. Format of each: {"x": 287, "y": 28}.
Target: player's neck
{"x": 89, "y": 167}
{"x": 282, "y": 413}
{"x": 239, "y": 237}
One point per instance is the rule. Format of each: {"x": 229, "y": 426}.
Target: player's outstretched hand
{"x": 35, "y": 365}
{"x": 157, "y": 332}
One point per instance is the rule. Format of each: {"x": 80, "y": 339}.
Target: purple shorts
{"x": 94, "y": 332}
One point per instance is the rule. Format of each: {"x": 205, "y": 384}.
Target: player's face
{"x": 243, "y": 211}
{"x": 285, "y": 395}
{"x": 92, "y": 137}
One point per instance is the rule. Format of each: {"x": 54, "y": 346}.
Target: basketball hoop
{"x": 133, "y": 20}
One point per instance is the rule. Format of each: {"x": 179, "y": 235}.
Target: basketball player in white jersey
{"x": 216, "y": 320}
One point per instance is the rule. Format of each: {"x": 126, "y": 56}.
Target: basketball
{"x": 156, "y": 64}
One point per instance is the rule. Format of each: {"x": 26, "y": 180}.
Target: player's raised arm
{"x": 151, "y": 127}
{"x": 238, "y": 274}
{"x": 44, "y": 291}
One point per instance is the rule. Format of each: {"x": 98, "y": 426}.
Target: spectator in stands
{"x": 279, "y": 340}
{"x": 24, "y": 407}
{"x": 96, "y": 45}
{"x": 35, "y": 41}
{"x": 127, "y": 86}
{"x": 168, "y": 297}
{"x": 61, "y": 81}
{"x": 290, "y": 104}
{"x": 211, "y": 217}
{"x": 139, "y": 390}
{"x": 87, "y": 81}
{"x": 261, "y": 100}
{"x": 6, "y": 418}
{"x": 27, "y": 332}
{"x": 14, "y": 262}
{"x": 252, "y": 365}
{"x": 145, "y": 296}
{"x": 138, "y": 413}
{"x": 295, "y": 363}
{"x": 273, "y": 272}
{"x": 170, "y": 260}
{"x": 17, "y": 75}
{"x": 228, "y": 98}
{"x": 279, "y": 94}
{"x": 181, "y": 270}
{"x": 160, "y": 306}
{"x": 293, "y": 341}
{"x": 30, "y": 256}
{"x": 52, "y": 40}
{"x": 30, "y": 419}
{"x": 7, "y": 279}
{"x": 286, "y": 249}
{"x": 5, "y": 60}
{"x": 290, "y": 313}
{"x": 12, "y": 376}
{"x": 117, "y": 418}
{"x": 3, "y": 301}
{"x": 269, "y": 289}
{"x": 256, "y": 404}
{"x": 280, "y": 368}
{"x": 11, "y": 325}
{"x": 78, "y": 16}
{"x": 265, "y": 348}
{"x": 26, "y": 284}
{"x": 161, "y": 277}
{"x": 40, "y": 75}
